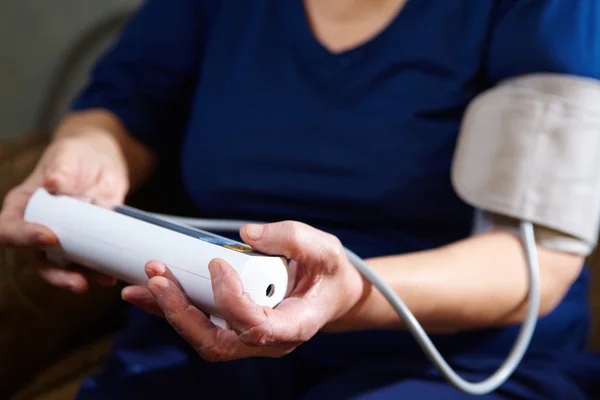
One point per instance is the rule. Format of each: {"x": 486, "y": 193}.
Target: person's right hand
{"x": 83, "y": 166}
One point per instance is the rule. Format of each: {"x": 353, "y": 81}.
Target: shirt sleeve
{"x": 148, "y": 76}
{"x": 541, "y": 36}
{"x": 557, "y": 36}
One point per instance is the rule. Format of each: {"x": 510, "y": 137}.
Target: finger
{"x": 187, "y": 320}
{"x": 98, "y": 277}
{"x": 110, "y": 187}
{"x": 233, "y": 303}
{"x": 142, "y": 298}
{"x": 16, "y": 232}
{"x": 60, "y": 179}
{"x": 156, "y": 268}
{"x": 294, "y": 240}
{"x": 22, "y": 234}
{"x": 210, "y": 342}
{"x": 64, "y": 278}
{"x": 153, "y": 269}
{"x": 255, "y": 325}
{"x": 67, "y": 175}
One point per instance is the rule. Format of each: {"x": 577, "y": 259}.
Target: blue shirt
{"x": 271, "y": 125}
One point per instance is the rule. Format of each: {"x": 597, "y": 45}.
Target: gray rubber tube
{"x": 475, "y": 388}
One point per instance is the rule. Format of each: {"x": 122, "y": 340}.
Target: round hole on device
{"x": 270, "y": 290}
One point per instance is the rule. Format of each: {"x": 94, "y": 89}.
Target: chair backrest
{"x": 35, "y": 38}
{"x": 73, "y": 70}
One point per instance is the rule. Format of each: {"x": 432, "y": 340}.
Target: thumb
{"x": 63, "y": 175}
{"x": 291, "y": 239}
{"x": 59, "y": 181}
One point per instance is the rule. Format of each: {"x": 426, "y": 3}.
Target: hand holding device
{"x": 324, "y": 286}
{"x": 85, "y": 165}
{"x": 119, "y": 241}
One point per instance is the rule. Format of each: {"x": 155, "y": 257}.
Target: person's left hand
{"x": 324, "y": 287}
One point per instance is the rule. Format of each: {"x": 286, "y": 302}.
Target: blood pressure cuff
{"x": 529, "y": 149}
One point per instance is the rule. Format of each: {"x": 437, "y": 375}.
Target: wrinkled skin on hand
{"x": 74, "y": 166}
{"x": 324, "y": 287}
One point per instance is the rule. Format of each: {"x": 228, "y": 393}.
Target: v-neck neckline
{"x": 306, "y": 38}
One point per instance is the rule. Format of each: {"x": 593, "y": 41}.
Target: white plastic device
{"x": 119, "y": 240}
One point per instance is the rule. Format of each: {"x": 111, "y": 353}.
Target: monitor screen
{"x": 185, "y": 230}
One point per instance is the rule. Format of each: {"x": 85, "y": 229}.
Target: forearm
{"x": 479, "y": 282}
{"x": 106, "y": 131}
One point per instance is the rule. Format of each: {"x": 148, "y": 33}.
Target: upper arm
{"x": 148, "y": 76}
{"x": 559, "y": 36}
{"x": 545, "y": 36}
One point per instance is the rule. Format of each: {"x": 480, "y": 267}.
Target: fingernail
{"x": 125, "y": 292}
{"x": 161, "y": 282}
{"x": 215, "y": 269}
{"x": 254, "y": 232}
{"x": 155, "y": 269}
{"x": 45, "y": 238}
